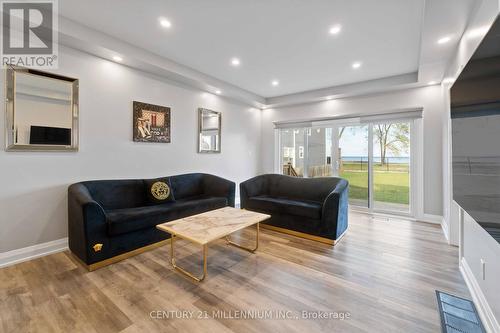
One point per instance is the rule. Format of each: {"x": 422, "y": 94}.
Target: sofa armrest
{"x": 335, "y": 210}
{"x": 252, "y": 187}
{"x": 218, "y": 186}
{"x": 86, "y": 222}
{"x": 243, "y": 195}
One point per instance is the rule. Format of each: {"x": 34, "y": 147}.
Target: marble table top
{"x": 209, "y": 226}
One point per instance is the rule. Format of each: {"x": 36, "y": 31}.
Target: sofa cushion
{"x": 117, "y": 194}
{"x": 309, "y": 209}
{"x": 121, "y": 221}
{"x": 188, "y": 185}
{"x": 159, "y": 190}
{"x": 297, "y": 188}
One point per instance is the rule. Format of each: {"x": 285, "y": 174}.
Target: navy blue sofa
{"x": 110, "y": 219}
{"x": 314, "y": 208}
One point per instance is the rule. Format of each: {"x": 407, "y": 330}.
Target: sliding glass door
{"x": 292, "y": 152}
{"x": 319, "y": 152}
{"x": 352, "y": 162}
{"x": 391, "y": 166}
{"x": 373, "y": 157}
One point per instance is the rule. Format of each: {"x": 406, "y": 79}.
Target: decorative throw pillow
{"x": 159, "y": 190}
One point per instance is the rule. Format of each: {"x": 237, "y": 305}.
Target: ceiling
{"x": 285, "y": 40}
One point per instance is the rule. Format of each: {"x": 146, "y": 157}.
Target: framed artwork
{"x": 151, "y": 123}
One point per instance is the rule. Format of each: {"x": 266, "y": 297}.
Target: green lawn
{"x": 389, "y": 186}
{"x": 391, "y": 181}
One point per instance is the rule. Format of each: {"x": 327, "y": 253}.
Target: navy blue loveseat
{"x": 315, "y": 208}
{"x": 110, "y": 219}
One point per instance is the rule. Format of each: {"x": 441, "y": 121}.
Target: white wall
{"x": 33, "y": 197}
{"x": 430, "y": 98}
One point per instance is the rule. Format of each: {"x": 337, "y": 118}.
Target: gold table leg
{"x": 244, "y": 247}
{"x": 182, "y": 270}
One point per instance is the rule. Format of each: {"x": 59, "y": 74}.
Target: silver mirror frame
{"x": 10, "y": 93}
{"x": 200, "y": 127}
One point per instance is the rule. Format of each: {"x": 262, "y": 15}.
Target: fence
{"x": 392, "y": 164}
{"x": 477, "y": 165}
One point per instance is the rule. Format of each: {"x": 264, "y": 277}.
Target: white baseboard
{"x": 430, "y": 218}
{"x": 446, "y": 230}
{"x": 32, "y": 252}
{"x": 437, "y": 219}
{"x": 483, "y": 308}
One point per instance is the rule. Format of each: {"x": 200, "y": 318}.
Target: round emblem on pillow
{"x": 160, "y": 190}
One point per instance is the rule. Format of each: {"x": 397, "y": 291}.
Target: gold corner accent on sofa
{"x": 303, "y": 235}
{"x": 123, "y": 256}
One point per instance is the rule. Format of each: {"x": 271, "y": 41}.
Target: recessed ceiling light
{"x": 444, "y": 40}
{"x": 431, "y": 83}
{"x": 275, "y": 83}
{"x": 335, "y": 29}
{"x": 356, "y": 65}
{"x": 218, "y": 92}
{"x": 235, "y": 62}
{"x": 117, "y": 58}
{"x": 164, "y": 22}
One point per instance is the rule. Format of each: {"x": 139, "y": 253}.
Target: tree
{"x": 341, "y": 131}
{"x": 393, "y": 137}
{"x": 339, "y": 151}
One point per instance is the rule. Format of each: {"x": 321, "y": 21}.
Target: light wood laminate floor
{"x": 383, "y": 274}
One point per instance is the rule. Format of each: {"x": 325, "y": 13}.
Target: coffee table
{"x": 207, "y": 227}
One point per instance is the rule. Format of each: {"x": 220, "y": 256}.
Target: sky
{"x": 354, "y": 142}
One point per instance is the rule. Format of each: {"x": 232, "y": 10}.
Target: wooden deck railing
{"x": 289, "y": 170}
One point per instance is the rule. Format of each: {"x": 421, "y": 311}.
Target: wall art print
{"x": 151, "y": 123}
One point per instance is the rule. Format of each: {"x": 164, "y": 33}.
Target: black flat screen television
{"x": 42, "y": 135}
{"x": 475, "y": 118}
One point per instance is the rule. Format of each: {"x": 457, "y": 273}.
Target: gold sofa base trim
{"x": 120, "y": 257}
{"x": 123, "y": 256}
{"x": 303, "y": 235}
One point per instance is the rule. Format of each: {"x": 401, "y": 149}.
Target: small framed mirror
{"x": 42, "y": 111}
{"x": 209, "y": 131}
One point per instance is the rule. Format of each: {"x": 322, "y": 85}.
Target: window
{"x": 373, "y": 156}
{"x": 291, "y": 154}
{"x": 391, "y": 166}
{"x": 319, "y": 146}
{"x": 352, "y": 162}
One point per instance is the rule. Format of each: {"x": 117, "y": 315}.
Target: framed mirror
{"x": 209, "y": 131}
{"x": 42, "y": 111}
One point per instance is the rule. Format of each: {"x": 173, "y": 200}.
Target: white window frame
{"x": 416, "y": 161}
